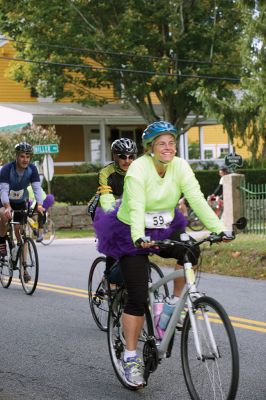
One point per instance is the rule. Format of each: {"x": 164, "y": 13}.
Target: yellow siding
{"x": 193, "y": 135}
{"x": 11, "y": 91}
{"x": 214, "y": 134}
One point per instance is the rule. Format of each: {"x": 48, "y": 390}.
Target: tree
{"x": 244, "y": 116}
{"x": 29, "y": 134}
{"x": 169, "y": 48}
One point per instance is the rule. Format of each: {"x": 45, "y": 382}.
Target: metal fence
{"x": 254, "y": 200}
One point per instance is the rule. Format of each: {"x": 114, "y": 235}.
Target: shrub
{"x": 75, "y": 188}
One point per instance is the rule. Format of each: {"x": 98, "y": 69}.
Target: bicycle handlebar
{"x": 212, "y": 238}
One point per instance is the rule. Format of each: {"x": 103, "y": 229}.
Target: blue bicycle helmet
{"x": 156, "y": 129}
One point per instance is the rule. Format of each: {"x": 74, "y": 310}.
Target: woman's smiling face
{"x": 164, "y": 147}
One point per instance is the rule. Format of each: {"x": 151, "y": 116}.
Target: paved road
{"x": 52, "y": 350}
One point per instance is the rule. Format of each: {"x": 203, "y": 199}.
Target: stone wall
{"x": 70, "y": 217}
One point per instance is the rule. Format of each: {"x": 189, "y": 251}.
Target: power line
{"x": 121, "y": 54}
{"x": 124, "y": 70}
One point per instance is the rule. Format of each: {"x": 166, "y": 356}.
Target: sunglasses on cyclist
{"x": 126, "y": 157}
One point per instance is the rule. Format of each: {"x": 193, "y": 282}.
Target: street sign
{"x": 46, "y": 149}
{"x": 48, "y": 167}
{"x": 233, "y": 160}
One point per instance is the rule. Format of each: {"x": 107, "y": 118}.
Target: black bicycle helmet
{"x": 124, "y": 146}
{"x": 24, "y": 147}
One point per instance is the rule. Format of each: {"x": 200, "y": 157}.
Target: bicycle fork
{"x": 192, "y": 292}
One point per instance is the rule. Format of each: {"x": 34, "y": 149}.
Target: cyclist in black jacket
{"x": 111, "y": 180}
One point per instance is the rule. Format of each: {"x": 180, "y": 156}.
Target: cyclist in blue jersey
{"x": 15, "y": 177}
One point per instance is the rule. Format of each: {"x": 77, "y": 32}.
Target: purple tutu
{"x": 114, "y": 237}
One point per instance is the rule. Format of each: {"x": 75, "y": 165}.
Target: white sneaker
{"x": 133, "y": 371}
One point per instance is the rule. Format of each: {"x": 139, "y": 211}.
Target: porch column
{"x": 201, "y": 142}
{"x": 181, "y": 146}
{"x": 102, "y": 140}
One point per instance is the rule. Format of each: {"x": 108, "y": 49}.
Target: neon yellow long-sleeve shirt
{"x": 146, "y": 191}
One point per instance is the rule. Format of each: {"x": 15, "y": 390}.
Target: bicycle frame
{"x": 189, "y": 290}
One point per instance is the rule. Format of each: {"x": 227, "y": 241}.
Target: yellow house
{"x": 87, "y": 132}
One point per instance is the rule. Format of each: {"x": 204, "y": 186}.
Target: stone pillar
{"x": 233, "y": 200}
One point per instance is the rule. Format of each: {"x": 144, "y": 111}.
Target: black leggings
{"x": 135, "y": 274}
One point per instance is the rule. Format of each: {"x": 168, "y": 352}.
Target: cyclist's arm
{"x": 37, "y": 190}
{"x": 4, "y": 189}
{"x": 107, "y": 199}
{"x": 218, "y": 191}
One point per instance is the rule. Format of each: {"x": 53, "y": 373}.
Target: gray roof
{"x": 76, "y": 114}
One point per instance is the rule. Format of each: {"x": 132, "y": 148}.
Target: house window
{"x": 133, "y": 134}
{"x": 208, "y": 154}
{"x": 223, "y": 151}
{"x": 95, "y": 145}
{"x": 194, "y": 151}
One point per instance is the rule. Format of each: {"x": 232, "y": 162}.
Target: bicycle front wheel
{"x": 116, "y": 340}
{"x": 29, "y": 266}
{"x": 6, "y": 272}
{"x": 98, "y": 293}
{"x": 48, "y": 231}
{"x": 214, "y": 374}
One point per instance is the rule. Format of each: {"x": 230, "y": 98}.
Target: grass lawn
{"x": 245, "y": 256}
{"x": 74, "y": 234}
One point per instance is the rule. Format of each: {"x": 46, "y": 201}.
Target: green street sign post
{"x": 48, "y": 164}
{"x": 46, "y": 149}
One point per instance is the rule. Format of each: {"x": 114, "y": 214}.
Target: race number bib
{"x": 158, "y": 219}
{"x": 16, "y": 194}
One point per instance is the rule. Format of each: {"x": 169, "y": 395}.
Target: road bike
{"x": 48, "y": 228}
{"x": 194, "y": 223}
{"x": 22, "y": 257}
{"x": 102, "y": 286}
{"x": 209, "y": 352}
{"x": 217, "y": 204}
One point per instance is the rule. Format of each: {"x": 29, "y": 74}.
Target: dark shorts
{"x": 19, "y": 217}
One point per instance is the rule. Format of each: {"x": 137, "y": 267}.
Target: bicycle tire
{"x": 213, "y": 377}
{"x": 6, "y": 268}
{"x": 29, "y": 262}
{"x": 194, "y": 222}
{"x": 116, "y": 341}
{"x": 98, "y": 293}
{"x": 48, "y": 231}
{"x": 156, "y": 273}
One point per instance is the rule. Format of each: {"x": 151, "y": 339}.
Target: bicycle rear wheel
{"x": 98, "y": 293}
{"x": 214, "y": 376}
{"x": 48, "y": 231}
{"x": 116, "y": 340}
{"x": 155, "y": 273}
{"x": 6, "y": 268}
{"x": 29, "y": 265}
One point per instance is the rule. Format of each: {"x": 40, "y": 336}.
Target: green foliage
{"x": 140, "y": 41}
{"x": 74, "y": 189}
{"x": 30, "y": 134}
{"x": 243, "y": 112}
{"x": 86, "y": 168}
